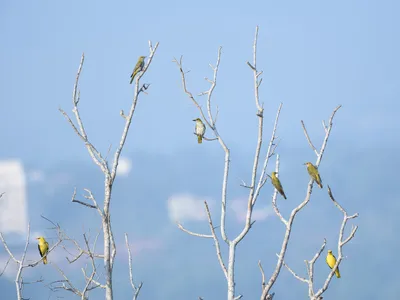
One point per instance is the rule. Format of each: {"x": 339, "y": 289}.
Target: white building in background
{"x": 13, "y": 203}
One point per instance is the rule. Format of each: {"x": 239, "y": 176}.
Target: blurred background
{"x": 315, "y": 55}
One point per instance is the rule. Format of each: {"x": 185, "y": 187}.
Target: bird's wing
{"x": 135, "y": 68}
{"x": 319, "y": 178}
{"x": 40, "y": 251}
{"x": 331, "y": 260}
{"x": 138, "y": 65}
{"x": 279, "y": 184}
{"x": 203, "y": 128}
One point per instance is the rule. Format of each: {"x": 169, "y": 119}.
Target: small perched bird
{"x": 331, "y": 261}
{"x": 277, "y": 184}
{"x": 199, "y": 129}
{"x": 313, "y": 171}
{"x": 43, "y": 247}
{"x": 139, "y": 67}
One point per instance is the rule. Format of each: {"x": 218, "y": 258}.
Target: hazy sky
{"x": 315, "y": 55}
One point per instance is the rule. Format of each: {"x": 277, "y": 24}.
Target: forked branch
{"x": 294, "y": 212}
{"x": 19, "y": 283}
{"x": 109, "y": 177}
{"x": 136, "y": 289}
{"x": 257, "y": 181}
{"x": 310, "y": 264}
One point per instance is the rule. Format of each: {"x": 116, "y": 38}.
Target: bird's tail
{"x": 45, "y": 260}
{"x": 283, "y": 194}
{"x": 337, "y": 273}
{"x": 319, "y": 181}
{"x": 131, "y": 79}
{"x": 199, "y": 139}
{"x": 134, "y": 74}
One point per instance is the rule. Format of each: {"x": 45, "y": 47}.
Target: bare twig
{"x": 180, "y": 226}
{"x": 90, "y": 279}
{"x": 136, "y": 289}
{"x": 310, "y": 269}
{"x": 93, "y": 199}
{"x": 80, "y": 202}
{"x": 269, "y": 296}
{"x": 94, "y": 153}
{"x": 262, "y": 275}
{"x": 308, "y": 139}
{"x": 216, "y": 242}
{"x": 5, "y": 266}
{"x": 64, "y": 284}
{"x": 291, "y": 271}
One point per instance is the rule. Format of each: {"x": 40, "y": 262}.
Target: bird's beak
{"x": 304, "y": 164}
{"x": 37, "y": 238}
{"x": 194, "y": 120}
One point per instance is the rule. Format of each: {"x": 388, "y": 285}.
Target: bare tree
{"x": 110, "y": 173}
{"x": 263, "y": 152}
{"x": 257, "y": 182}
{"x": 255, "y": 185}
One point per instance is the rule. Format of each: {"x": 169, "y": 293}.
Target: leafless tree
{"x": 257, "y": 182}
{"x": 110, "y": 172}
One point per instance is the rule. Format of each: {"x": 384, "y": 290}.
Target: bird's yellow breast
{"x": 331, "y": 260}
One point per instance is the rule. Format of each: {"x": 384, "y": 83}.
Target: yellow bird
{"x": 277, "y": 184}
{"x": 43, "y": 247}
{"x": 331, "y": 261}
{"x": 313, "y": 171}
{"x": 138, "y": 67}
{"x": 199, "y": 129}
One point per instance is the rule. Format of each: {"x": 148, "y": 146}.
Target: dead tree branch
{"x": 257, "y": 182}
{"x": 136, "y": 289}
{"x": 289, "y": 222}
{"x": 310, "y": 264}
{"x": 109, "y": 173}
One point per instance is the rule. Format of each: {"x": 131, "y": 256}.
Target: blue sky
{"x": 315, "y": 55}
